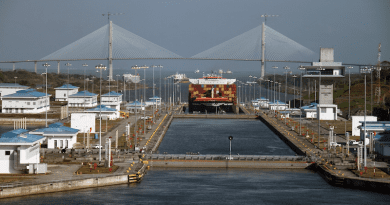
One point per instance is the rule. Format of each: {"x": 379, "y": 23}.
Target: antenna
{"x": 109, "y": 14}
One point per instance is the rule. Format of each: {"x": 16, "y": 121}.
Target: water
{"x": 210, "y": 136}
{"x": 215, "y": 186}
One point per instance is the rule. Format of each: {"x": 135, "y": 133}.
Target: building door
{"x": 55, "y": 144}
{"x": 61, "y": 143}
{"x": 66, "y": 143}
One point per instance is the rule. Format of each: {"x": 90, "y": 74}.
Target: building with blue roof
{"x": 19, "y": 149}
{"x": 83, "y": 99}
{"x": 112, "y": 99}
{"x": 58, "y": 136}
{"x": 106, "y": 112}
{"x": 26, "y": 101}
{"x": 10, "y": 88}
{"x": 135, "y": 106}
{"x": 64, "y": 91}
{"x": 156, "y": 101}
{"x": 277, "y": 105}
{"x": 310, "y": 111}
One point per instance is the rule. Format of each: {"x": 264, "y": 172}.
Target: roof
{"x": 277, "y": 102}
{"x": 19, "y": 136}
{"x": 56, "y": 128}
{"x": 83, "y": 93}
{"x": 112, "y": 93}
{"x": 102, "y": 108}
{"x": 67, "y": 87}
{"x": 310, "y": 107}
{"x": 134, "y": 104}
{"x": 12, "y": 85}
{"x": 28, "y": 93}
{"x": 155, "y": 97}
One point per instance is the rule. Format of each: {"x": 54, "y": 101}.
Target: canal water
{"x": 210, "y": 136}
{"x": 217, "y": 186}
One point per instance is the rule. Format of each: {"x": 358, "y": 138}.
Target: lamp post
{"x": 144, "y": 98}
{"x": 135, "y": 68}
{"x": 153, "y": 66}
{"x": 117, "y": 83}
{"x": 285, "y": 91}
{"x": 274, "y": 67}
{"x": 349, "y": 92}
{"x": 159, "y": 110}
{"x": 46, "y": 65}
{"x": 365, "y": 70}
{"x": 100, "y": 67}
{"x": 300, "y": 101}
{"x": 254, "y": 87}
{"x": 84, "y": 65}
{"x": 230, "y": 152}
{"x": 67, "y": 91}
{"x": 294, "y": 76}
{"x": 15, "y": 79}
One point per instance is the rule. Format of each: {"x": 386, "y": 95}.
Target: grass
{"x": 85, "y": 169}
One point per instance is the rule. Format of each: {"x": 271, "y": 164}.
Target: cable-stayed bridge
{"x": 111, "y": 42}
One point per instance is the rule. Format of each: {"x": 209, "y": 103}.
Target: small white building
{"x": 263, "y": 102}
{"x": 277, "y": 105}
{"x": 64, "y": 91}
{"x": 83, "y": 99}
{"x": 310, "y": 111}
{"x": 327, "y": 111}
{"x": 107, "y": 113}
{"x": 356, "y": 122}
{"x": 135, "y": 106}
{"x": 111, "y": 100}
{"x": 58, "y": 136}
{"x": 10, "y": 88}
{"x": 19, "y": 152}
{"x": 83, "y": 121}
{"x": 156, "y": 101}
{"x": 26, "y": 101}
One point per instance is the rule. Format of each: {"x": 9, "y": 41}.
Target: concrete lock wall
{"x": 63, "y": 186}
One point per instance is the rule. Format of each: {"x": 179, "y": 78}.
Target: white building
{"x": 356, "y": 122}
{"x": 58, "y": 136}
{"x": 156, "y": 101}
{"x": 327, "y": 111}
{"x": 263, "y": 102}
{"x": 310, "y": 111}
{"x": 19, "y": 152}
{"x": 10, "y": 88}
{"x": 135, "y": 106}
{"x": 64, "y": 91}
{"x": 83, "y": 122}
{"x": 26, "y": 101}
{"x": 83, "y": 99}
{"x": 111, "y": 100}
{"x": 107, "y": 113}
{"x": 277, "y": 105}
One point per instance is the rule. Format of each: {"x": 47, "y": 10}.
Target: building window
{"x": 34, "y": 103}
{"x": 28, "y": 103}
{"x": 7, "y": 152}
{"x": 323, "y": 110}
{"x": 65, "y": 95}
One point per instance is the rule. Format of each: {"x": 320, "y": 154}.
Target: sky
{"x": 31, "y": 30}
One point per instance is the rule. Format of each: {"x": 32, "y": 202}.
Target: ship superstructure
{"x": 212, "y": 93}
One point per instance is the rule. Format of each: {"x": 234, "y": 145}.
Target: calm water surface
{"x": 210, "y": 136}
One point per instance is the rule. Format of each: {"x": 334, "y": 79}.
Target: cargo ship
{"x": 212, "y": 93}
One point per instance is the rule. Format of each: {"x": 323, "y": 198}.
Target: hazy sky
{"x": 32, "y": 29}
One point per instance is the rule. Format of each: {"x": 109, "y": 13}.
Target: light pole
{"x": 135, "y": 68}
{"x": 46, "y": 65}
{"x": 285, "y": 91}
{"x": 365, "y": 70}
{"x": 160, "y": 97}
{"x": 230, "y": 153}
{"x": 254, "y": 87}
{"x": 15, "y": 79}
{"x": 144, "y": 98}
{"x": 117, "y": 83}
{"x": 67, "y": 90}
{"x": 153, "y": 66}
{"x": 84, "y": 65}
{"x": 294, "y": 76}
{"x": 349, "y": 92}
{"x": 274, "y": 67}
{"x": 300, "y": 101}
{"x": 100, "y": 67}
